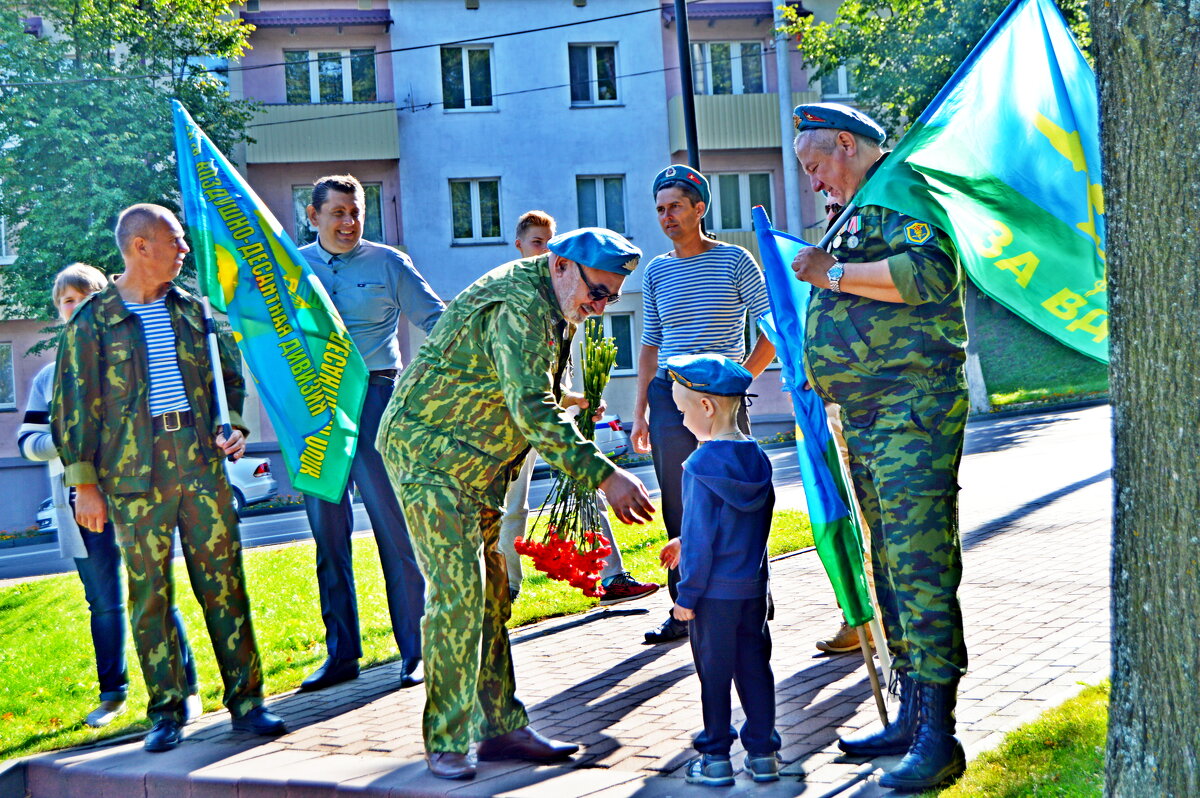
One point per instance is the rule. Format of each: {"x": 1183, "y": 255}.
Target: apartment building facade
{"x": 459, "y": 115}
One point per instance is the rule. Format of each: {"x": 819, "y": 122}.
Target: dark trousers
{"x": 732, "y": 644}
{"x": 671, "y": 444}
{"x": 332, "y": 524}
{"x": 100, "y": 572}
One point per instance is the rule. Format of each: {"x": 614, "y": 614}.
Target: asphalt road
{"x": 1058, "y": 428}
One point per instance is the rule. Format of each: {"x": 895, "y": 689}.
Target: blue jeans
{"x": 332, "y": 524}
{"x": 671, "y": 444}
{"x": 100, "y": 573}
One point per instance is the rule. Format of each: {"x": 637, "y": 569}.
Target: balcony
{"x": 324, "y": 132}
{"x": 733, "y": 121}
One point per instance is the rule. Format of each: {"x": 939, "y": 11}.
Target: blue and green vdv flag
{"x": 1006, "y": 160}
{"x": 836, "y": 533}
{"x": 309, "y": 374}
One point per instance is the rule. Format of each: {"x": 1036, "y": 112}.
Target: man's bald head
{"x": 140, "y": 221}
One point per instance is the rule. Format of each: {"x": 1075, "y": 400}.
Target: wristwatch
{"x": 834, "y": 275}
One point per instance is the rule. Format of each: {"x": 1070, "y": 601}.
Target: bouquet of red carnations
{"x": 571, "y": 547}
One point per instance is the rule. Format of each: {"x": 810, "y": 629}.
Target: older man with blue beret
{"x": 886, "y": 341}
{"x": 483, "y": 388}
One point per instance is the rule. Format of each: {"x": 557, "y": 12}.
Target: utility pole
{"x": 791, "y": 170}
{"x": 685, "y": 80}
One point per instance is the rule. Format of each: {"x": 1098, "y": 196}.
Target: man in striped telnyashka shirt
{"x": 137, "y": 431}
{"x": 694, "y": 301}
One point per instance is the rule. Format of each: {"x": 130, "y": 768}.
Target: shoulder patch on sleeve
{"x": 917, "y": 232}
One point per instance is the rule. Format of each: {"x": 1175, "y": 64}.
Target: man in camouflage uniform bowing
{"x": 885, "y": 340}
{"x": 482, "y": 389}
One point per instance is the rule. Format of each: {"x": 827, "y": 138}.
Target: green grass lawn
{"x": 1060, "y": 754}
{"x": 1022, "y": 364}
{"x": 47, "y": 671}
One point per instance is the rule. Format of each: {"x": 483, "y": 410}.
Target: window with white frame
{"x": 330, "y": 76}
{"x": 601, "y": 201}
{"x": 8, "y": 385}
{"x": 475, "y": 210}
{"x": 619, "y": 327}
{"x": 372, "y": 221}
{"x": 728, "y": 68}
{"x": 733, "y": 195}
{"x": 6, "y": 255}
{"x": 593, "y": 73}
{"x": 467, "y": 78}
{"x": 839, "y": 84}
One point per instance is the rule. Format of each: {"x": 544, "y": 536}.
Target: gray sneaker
{"x": 710, "y": 770}
{"x": 103, "y": 715}
{"x": 763, "y": 768}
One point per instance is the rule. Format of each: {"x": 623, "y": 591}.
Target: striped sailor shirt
{"x": 166, "y": 381}
{"x": 698, "y": 305}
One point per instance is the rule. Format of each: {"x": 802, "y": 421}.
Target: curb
{"x": 1034, "y": 409}
{"x": 29, "y": 540}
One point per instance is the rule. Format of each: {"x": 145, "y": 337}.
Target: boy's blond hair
{"x": 82, "y": 277}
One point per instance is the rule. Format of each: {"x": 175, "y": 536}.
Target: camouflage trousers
{"x": 904, "y": 463}
{"x": 470, "y": 687}
{"x": 194, "y": 496}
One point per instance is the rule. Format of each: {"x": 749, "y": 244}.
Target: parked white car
{"x": 250, "y": 477}
{"x": 611, "y": 437}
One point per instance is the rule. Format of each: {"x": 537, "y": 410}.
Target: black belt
{"x": 662, "y": 374}
{"x": 382, "y": 377}
{"x": 173, "y": 420}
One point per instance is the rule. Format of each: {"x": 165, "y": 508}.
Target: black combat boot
{"x": 936, "y": 756}
{"x": 894, "y": 738}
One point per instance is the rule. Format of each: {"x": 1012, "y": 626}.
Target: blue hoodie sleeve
{"x": 697, "y": 533}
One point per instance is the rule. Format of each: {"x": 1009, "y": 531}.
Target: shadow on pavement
{"x": 584, "y": 620}
{"x": 996, "y": 526}
{"x": 1004, "y": 434}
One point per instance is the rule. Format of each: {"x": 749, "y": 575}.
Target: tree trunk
{"x": 1146, "y": 57}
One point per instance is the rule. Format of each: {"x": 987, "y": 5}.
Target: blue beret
{"x": 686, "y": 174}
{"x": 597, "y": 248}
{"x": 712, "y": 374}
{"x": 837, "y": 117}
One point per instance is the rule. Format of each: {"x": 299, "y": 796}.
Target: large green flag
{"x": 1006, "y": 160}
{"x": 309, "y": 373}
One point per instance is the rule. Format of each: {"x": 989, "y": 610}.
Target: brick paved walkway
{"x": 1036, "y": 509}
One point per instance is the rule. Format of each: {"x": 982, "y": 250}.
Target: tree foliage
{"x": 86, "y": 129}
{"x": 901, "y": 52}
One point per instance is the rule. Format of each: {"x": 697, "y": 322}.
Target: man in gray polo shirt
{"x": 371, "y": 285}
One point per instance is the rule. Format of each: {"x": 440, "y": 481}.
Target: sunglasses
{"x": 598, "y": 293}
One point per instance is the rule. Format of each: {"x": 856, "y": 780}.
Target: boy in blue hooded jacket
{"x": 722, "y": 558}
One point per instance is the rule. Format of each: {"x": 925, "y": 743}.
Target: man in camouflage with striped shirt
{"x": 484, "y": 387}
{"x": 136, "y": 428}
{"x": 885, "y": 340}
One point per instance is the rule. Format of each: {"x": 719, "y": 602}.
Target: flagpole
{"x": 870, "y": 663}
{"x": 214, "y": 356}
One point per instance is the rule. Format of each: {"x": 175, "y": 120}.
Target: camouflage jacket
{"x": 485, "y": 386}
{"x": 865, "y": 353}
{"x": 101, "y": 410}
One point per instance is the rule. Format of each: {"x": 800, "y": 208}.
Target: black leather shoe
{"x": 261, "y": 720}
{"x": 524, "y": 743}
{"x": 333, "y": 671}
{"x": 165, "y": 735}
{"x": 449, "y": 765}
{"x": 671, "y": 629}
{"x": 412, "y": 672}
